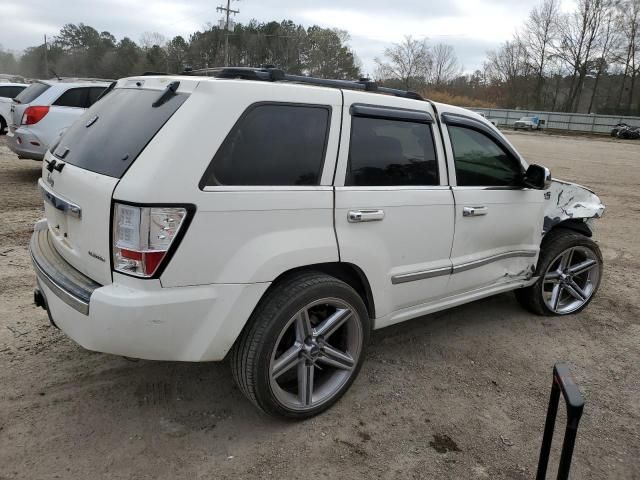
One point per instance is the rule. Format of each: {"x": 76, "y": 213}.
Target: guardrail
{"x": 574, "y": 122}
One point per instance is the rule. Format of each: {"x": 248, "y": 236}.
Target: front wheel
{"x": 303, "y": 346}
{"x": 570, "y": 269}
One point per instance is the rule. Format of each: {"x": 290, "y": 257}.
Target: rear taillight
{"x": 34, "y": 114}
{"x": 142, "y": 237}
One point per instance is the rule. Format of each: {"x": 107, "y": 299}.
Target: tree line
{"x": 82, "y": 51}
{"x": 585, "y": 60}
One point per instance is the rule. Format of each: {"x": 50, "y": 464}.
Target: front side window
{"x": 273, "y": 144}
{"x": 386, "y": 152}
{"x": 482, "y": 162}
{"x": 74, "y": 97}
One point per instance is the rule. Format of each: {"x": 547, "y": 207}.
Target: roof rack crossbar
{"x": 275, "y": 75}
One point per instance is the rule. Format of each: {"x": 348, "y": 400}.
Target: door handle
{"x": 357, "y": 216}
{"x": 474, "y": 211}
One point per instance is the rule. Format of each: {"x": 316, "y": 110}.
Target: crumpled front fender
{"x": 570, "y": 201}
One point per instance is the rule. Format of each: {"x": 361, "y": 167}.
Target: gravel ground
{"x": 460, "y": 394}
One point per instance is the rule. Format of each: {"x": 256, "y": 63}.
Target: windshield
{"x": 110, "y": 135}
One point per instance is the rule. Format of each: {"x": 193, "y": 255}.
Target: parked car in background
{"x": 309, "y": 212}
{"x": 8, "y": 91}
{"x": 44, "y": 109}
{"x": 529, "y": 123}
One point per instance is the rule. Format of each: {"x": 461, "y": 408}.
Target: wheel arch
{"x": 349, "y": 273}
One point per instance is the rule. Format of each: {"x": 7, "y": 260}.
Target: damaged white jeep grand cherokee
{"x": 277, "y": 219}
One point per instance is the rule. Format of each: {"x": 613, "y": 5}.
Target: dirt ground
{"x": 460, "y": 394}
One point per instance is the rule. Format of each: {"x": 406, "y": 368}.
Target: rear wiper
{"x": 169, "y": 92}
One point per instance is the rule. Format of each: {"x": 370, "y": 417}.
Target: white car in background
{"x": 8, "y": 91}
{"x": 46, "y": 108}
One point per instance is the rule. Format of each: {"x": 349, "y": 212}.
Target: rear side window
{"x": 74, "y": 97}
{"x": 110, "y": 135}
{"x": 32, "y": 92}
{"x": 10, "y": 91}
{"x": 273, "y": 144}
{"x": 385, "y": 152}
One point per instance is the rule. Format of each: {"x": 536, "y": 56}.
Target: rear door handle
{"x": 357, "y": 216}
{"x": 474, "y": 211}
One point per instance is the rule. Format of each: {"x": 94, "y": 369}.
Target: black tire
{"x": 3, "y": 126}
{"x": 253, "y": 351}
{"x": 553, "y": 244}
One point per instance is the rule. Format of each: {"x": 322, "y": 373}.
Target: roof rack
{"x": 271, "y": 74}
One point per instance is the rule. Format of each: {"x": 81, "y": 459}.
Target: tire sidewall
{"x": 334, "y": 289}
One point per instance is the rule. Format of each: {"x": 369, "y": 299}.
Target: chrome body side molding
{"x": 463, "y": 267}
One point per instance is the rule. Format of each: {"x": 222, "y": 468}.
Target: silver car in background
{"x": 45, "y": 109}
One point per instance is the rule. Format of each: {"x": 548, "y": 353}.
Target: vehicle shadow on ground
{"x": 178, "y": 398}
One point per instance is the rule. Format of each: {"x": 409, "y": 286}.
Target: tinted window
{"x": 480, "y": 161}
{"x": 273, "y": 145}
{"x": 110, "y": 135}
{"x": 32, "y": 92}
{"x": 11, "y": 91}
{"x": 94, "y": 93}
{"x": 74, "y": 97}
{"x": 391, "y": 152}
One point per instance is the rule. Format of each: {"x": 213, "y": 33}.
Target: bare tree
{"x": 409, "y": 62}
{"x": 606, "y": 43}
{"x": 510, "y": 66}
{"x": 149, "y": 39}
{"x": 578, "y": 34}
{"x": 445, "y": 66}
{"x": 540, "y": 33}
{"x": 629, "y": 28}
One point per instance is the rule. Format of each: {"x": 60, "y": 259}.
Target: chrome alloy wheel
{"x": 315, "y": 354}
{"x": 571, "y": 280}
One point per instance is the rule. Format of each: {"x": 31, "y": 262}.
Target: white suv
{"x": 42, "y": 111}
{"x": 276, "y": 220}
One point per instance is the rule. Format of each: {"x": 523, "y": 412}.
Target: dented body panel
{"x": 570, "y": 201}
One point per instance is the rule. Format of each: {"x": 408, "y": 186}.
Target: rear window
{"x": 110, "y": 135}
{"x": 10, "y": 91}
{"x": 32, "y": 92}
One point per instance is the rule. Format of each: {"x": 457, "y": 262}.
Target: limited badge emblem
{"x": 96, "y": 256}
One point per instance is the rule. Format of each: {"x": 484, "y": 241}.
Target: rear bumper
{"x": 139, "y": 318}
{"x": 21, "y": 142}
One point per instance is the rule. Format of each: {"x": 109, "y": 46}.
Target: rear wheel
{"x": 3, "y": 125}
{"x": 303, "y": 347}
{"x": 570, "y": 269}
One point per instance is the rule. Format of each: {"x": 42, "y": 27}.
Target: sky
{"x": 471, "y": 26}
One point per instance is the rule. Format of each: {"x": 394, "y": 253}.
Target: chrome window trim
{"x": 463, "y": 267}
{"x": 58, "y": 202}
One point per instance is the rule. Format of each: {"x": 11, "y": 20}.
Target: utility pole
{"x": 46, "y": 60}
{"x": 227, "y": 10}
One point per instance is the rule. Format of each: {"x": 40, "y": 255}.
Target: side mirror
{"x": 537, "y": 177}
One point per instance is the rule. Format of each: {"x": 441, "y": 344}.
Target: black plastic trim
{"x": 191, "y": 211}
{"x": 391, "y": 113}
{"x": 202, "y": 184}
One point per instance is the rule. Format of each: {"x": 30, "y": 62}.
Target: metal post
{"x": 46, "y": 59}
{"x": 562, "y": 383}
